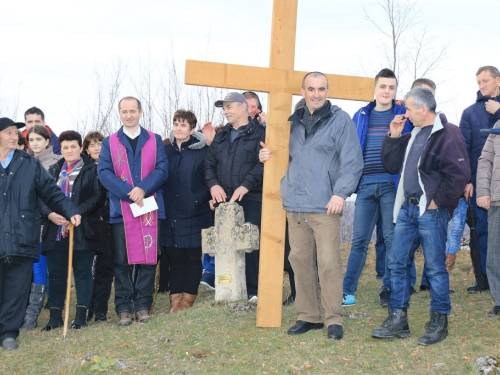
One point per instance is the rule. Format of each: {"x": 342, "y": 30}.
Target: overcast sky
{"x": 51, "y": 49}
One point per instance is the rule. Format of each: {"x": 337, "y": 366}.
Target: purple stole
{"x": 141, "y": 233}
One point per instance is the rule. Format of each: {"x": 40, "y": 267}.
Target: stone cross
{"x": 281, "y": 81}
{"x": 228, "y": 240}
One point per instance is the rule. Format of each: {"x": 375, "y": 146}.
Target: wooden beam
{"x": 242, "y": 77}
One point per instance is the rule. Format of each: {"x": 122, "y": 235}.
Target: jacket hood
{"x": 196, "y": 141}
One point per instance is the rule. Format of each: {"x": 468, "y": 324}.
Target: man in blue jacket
{"x": 481, "y": 115}
{"x": 132, "y": 166}
{"x": 376, "y": 190}
{"x": 434, "y": 169}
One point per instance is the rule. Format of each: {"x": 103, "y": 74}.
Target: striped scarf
{"x": 65, "y": 182}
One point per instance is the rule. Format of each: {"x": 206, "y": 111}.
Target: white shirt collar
{"x": 130, "y": 135}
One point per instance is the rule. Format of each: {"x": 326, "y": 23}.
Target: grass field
{"x": 213, "y": 338}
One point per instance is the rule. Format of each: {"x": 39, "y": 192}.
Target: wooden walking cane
{"x": 68, "y": 286}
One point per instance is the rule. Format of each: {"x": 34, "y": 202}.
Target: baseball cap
{"x": 231, "y": 97}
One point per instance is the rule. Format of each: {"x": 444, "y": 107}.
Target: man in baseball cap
{"x": 23, "y": 181}
{"x": 234, "y": 173}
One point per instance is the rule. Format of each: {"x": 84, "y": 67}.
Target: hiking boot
{"x": 142, "y": 316}
{"x": 37, "y": 293}
{"x": 436, "y": 329}
{"x": 495, "y": 311}
{"x": 208, "y": 280}
{"x": 55, "y": 319}
{"x": 80, "y": 318}
{"x": 348, "y": 300}
{"x": 396, "y": 325}
{"x": 384, "y": 297}
{"x": 125, "y": 319}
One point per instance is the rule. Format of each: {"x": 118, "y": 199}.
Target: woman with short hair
{"x": 76, "y": 175}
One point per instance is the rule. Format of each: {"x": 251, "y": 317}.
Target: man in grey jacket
{"x": 324, "y": 169}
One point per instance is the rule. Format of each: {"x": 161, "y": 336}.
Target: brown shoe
{"x": 142, "y": 316}
{"x": 125, "y": 318}
{"x": 187, "y": 301}
{"x": 175, "y": 301}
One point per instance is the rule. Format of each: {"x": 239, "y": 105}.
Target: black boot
{"x": 81, "y": 317}
{"x": 396, "y": 325}
{"x": 480, "y": 286}
{"x": 37, "y": 293}
{"x": 55, "y": 319}
{"x": 436, "y": 329}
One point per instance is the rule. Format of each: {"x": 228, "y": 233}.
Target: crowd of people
{"x": 134, "y": 199}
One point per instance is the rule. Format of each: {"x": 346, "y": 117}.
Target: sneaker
{"x": 384, "y": 297}
{"x": 208, "y": 280}
{"x": 252, "y": 299}
{"x": 348, "y": 300}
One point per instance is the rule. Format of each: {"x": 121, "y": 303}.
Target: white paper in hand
{"x": 149, "y": 205}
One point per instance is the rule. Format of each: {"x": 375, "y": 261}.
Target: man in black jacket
{"x": 233, "y": 171}
{"x": 22, "y": 181}
{"x": 434, "y": 168}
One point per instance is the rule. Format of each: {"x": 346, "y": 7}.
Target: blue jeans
{"x": 208, "y": 263}
{"x": 455, "y": 233}
{"x": 380, "y": 250}
{"x": 372, "y": 200}
{"x": 411, "y": 230}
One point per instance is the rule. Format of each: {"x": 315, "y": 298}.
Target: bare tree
{"x": 9, "y": 104}
{"x": 408, "y": 48}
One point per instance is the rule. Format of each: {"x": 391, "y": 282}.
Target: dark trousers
{"x": 15, "y": 282}
{"x": 252, "y": 211}
{"x": 164, "y": 272}
{"x": 57, "y": 263}
{"x": 131, "y": 295}
{"x": 103, "y": 274}
{"x": 185, "y": 270}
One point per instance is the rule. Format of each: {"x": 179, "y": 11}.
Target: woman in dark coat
{"x": 76, "y": 175}
{"x": 187, "y": 209}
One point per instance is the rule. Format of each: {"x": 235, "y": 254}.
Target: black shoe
{"x": 302, "y": 327}
{"x": 100, "y": 317}
{"x": 335, "y": 332}
{"x": 289, "y": 300}
{"x": 396, "y": 325}
{"x": 80, "y": 318}
{"x": 384, "y": 297}
{"x": 476, "y": 289}
{"x": 495, "y": 311}
{"x": 55, "y": 319}
{"x": 10, "y": 344}
{"x": 436, "y": 329}
{"x": 424, "y": 288}
{"x": 413, "y": 291}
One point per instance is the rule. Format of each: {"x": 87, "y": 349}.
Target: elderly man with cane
{"x": 23, "y": 180}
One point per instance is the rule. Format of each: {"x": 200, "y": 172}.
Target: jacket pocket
{"x": 29, "y": 228}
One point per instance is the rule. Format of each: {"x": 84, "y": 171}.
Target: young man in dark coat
{"x": 23, "y": 181}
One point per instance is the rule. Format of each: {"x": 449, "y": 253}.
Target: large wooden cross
{"x": 281, "y": 81}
